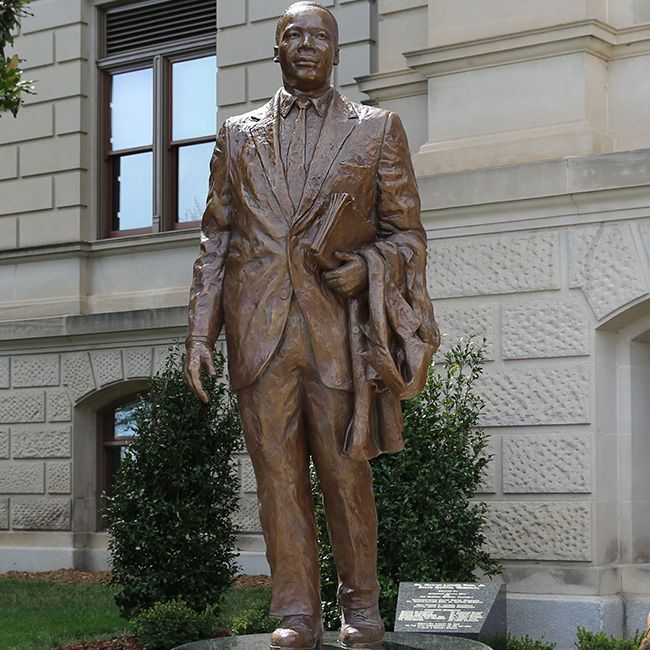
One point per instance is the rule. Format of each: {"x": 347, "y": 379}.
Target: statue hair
{"x": 303, "y": 3}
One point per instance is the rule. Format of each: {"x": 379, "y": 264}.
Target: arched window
{"x": 117, "y": 431}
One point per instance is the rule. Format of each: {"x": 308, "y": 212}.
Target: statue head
{"x": 306, "y": 46}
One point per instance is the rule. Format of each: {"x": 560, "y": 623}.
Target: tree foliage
{"x": 12, "y": 85}
{"x": 172, "y": 536}
{"x": 430, "y": 528}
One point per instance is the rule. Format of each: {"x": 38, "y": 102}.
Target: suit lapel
{"x": 266, "y": 136}
{"x": 339, "y": 123}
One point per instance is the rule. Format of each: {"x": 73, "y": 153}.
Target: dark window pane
{"x": 132, "y": 109}
{"x": 194, "y": 98}
{"x": 193, "y": 174}
{"x": 133, "y": 191}
{"x": 124, "y": 424}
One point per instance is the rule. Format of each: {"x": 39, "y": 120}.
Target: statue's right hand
{"x": 198, "y": 357}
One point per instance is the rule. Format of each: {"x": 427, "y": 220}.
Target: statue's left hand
{"x": 349, "y": 279}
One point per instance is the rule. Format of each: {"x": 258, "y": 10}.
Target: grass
{"x": 44, "y": 615}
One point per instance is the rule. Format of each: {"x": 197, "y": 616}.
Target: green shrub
{"x": 588, "y": 640}
{"x": 429, "y": 529}
{"x": 256, "y": 619}
{"x": 167, "y": 625}
{"x": 511, "y": 642}
{"x": 170, "y": 517}
{"x": 12, "y": 84}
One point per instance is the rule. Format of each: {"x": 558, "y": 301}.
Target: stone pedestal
{"x": 394, "y": 641}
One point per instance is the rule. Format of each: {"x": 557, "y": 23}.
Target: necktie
{"x": 297, "y": 154}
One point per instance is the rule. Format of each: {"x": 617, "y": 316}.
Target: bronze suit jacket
{"x": 254, "y": 253}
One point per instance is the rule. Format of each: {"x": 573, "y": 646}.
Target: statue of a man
{"x": 319, "y": 358}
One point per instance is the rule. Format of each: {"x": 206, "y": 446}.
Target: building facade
{"x": 529, "y": 124}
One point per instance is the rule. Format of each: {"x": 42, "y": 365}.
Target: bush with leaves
{"x": 256, "y": 619}
{"x": 167, "y": 625}
{"x": 170, "y": 516}
{"x": 588, "y": 640}
{"x": 525, "y": 642}
{"x": 12, "y": 84}
{"x": 429, "y": 527}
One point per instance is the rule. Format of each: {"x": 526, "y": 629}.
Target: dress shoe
{"x": 362, "y": 628}
{"x": 298, "y": 632}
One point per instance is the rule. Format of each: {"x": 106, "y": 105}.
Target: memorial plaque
{"x": 470, "y": 610}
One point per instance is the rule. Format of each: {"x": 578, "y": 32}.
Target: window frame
{"x": 105, "y": 443}
{"x": 165, "y": 151}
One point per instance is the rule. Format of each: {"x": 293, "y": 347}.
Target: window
{"x": 117, "y": 430}
{"x": 159, "y": 117}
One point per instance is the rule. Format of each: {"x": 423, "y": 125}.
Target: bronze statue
{"x": 319, "y": 356}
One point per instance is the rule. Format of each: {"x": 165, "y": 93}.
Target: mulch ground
{"x": 75, "y": 576}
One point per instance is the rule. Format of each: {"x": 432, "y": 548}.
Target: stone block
{"x": 539, "y": 531}
{"x": 59, "y": 478}
{"x": 78, "y": 374}
{"x": 26, "y": 195}
{"x": 462, "y": 322}
{"x": 263, "y": 80}
{"x": 32, "y": 123}
{"x": 355, "y": 62}
{"x": 230, "y": 13}
{"x": 4, "y": 372}
{"x": 59, "y": 406}
{"x": 539, "y": 328}
{"x": 605, "y": 264}
{"x": 53, "y": 13}
{"x": 40, "y": 514}
{"x": 4, "y": 443}
{"x": 247, "y": 476}
{"x": 52, "y": 155}
{"x": 547, "y": 464}
{"x": 263, "y": 9}
{"x": 69, "y": 189}
{"x": 35, "y": 50}
{"x": 534, "y": 396}
{"x": 22, "y": 406}
{"x": 58, "y": 82}
{"x": 251, "y": 42}
{"x": 107, "y": 366}
{"x": 137, "y": 362}
{"x": 69, "y": 116}
{"x": 48, "y": 441}
{"x": 35, "y": 370}
{"x": 9, "y": 232}
{"x": 644, "y": 232}
{"x": 4, "y": 514}
{"x": 231, "y": 86}
{"x": 21, "y": 478}
{"x": 71, "y": 43}
{"x": 247, "y": 516}
{"x": 8, "y": 166}
{"x": 354, "y": 22}
{"x": 51, "y": 227}
{"x": 493, "y": 264}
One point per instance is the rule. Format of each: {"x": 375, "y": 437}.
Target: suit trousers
{"x": 288, "y": 415}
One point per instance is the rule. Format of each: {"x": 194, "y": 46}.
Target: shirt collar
{"x": 320, "y": 103}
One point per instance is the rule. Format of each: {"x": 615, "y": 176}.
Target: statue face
{"x": 307, "y": 49}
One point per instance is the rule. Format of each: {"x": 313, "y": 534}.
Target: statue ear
{"x": 336, "y": 56}
{"x": 276, "y": 58}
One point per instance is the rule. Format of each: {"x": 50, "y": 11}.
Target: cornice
{"x": 102, "y": 247}
{"x": 392, "y": 84}
{"x": 586, "y": 36}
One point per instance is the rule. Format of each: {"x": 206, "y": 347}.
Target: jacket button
{"x": 284, "y": 294}
{"x": 355, "y": 329}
